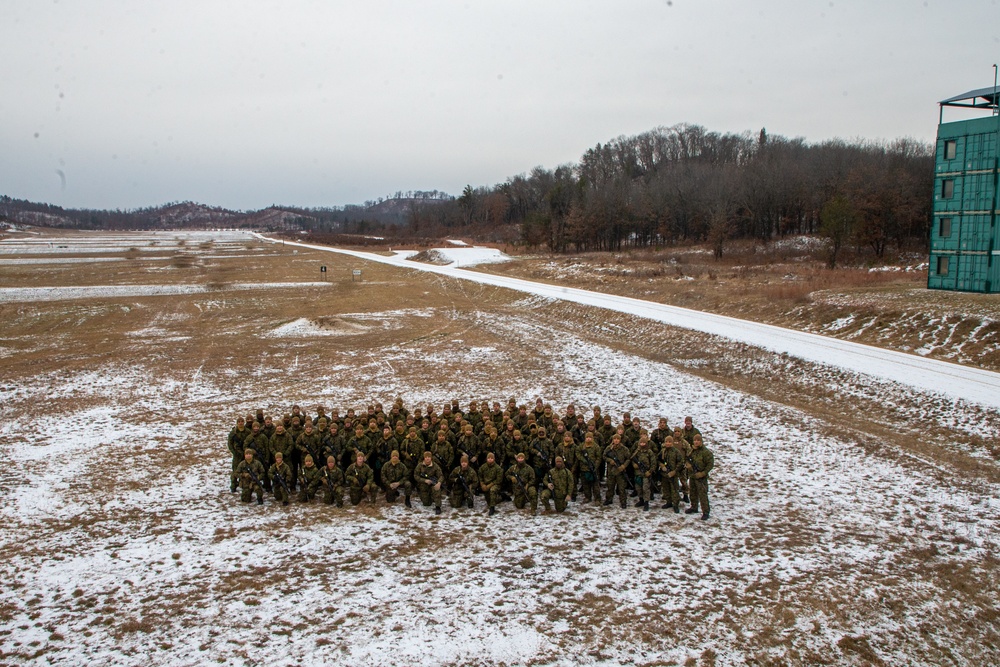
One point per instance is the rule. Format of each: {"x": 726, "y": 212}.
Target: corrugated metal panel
{"x": 964, "y": 194}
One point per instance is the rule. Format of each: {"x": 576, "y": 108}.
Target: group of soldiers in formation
{"x": 517, "y": 453}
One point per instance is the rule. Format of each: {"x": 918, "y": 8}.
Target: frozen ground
{"x": 963, "y": 382}
{"x": 122, "y": 545}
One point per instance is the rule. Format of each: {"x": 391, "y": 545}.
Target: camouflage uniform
{"x": 237, "y": 436}
{"x": 569, "y": 453}
{"x": 590, "y": 464}
{"x": 490, "y": 481}
{"x": 700, "y": 464}
{"x": 361, "y": 480}
{"x": 309, "y": 442}
{"x": 333, "y": 444}
{"x": 333, "y": 485}
{"x": 558, "y": 487}
{"x": 616, "y": 455}
{"x": 541, "y": 454}
{"x": 459, "y": 495}
{"x": 429, "y": 493}
{"x": 672, "y": 463}
{"x": 524, "y": 490}
{"x": 278, "y": 472}
{"x": 244, "y": 473}
{"x": 468, "y": 445}
{"x": 644, "y": 461}
{"x": 392, "y": 473}
{"x": 260, "y": 444}
{"x": 310, "y": 482}
{"x": 412, "y": 450}
{"x": 442, "y": 454}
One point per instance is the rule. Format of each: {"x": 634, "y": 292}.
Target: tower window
{"x": 942, "y": 266}
{"x": 948, "y": 188}
{"x": 944, "y": 228}
{"x": 950, "y": 149}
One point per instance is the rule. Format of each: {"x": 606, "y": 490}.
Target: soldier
{"x": 570, "y": 417}
{"x": 383, "y": 447}
{"x": 333, "y": 483}
{"x": 559, "y": 486}
{"x": 490, "y": 479}
{"x": 468, "y": 445}
{"x": 333, "y": 443}
{"x": 260, "y": 444}
{"x": 522, "y": 479}
{"x": 412, "y": 450}
{"x": 645, "y": 464}
{"x": 360, "y": 480}
{"x": 428, "y": 477}
{"x": 320, "y": 414}
{"x": 690, "y": 431}
{"x": 682, "y": 476}
{"x": 492, "y": 444}
{"x": 672, "y": 460}
{"x": 268, "y": 427}
{"x": 617, "y": 457}
{"x": 590, "y": 464}
{"x": 281, "y": 475}
{"x": 660, "y": 434}
{"x": 700, "y": 463}
{"x": 298, "y": 414}
{"x": 358, "y": 444}
{"x": 310, "y": 480}
{"x": 281, "y": 441}
{"x": 541, "y": 453}
{"x": 442, "y": 452}
{"x": 295, "y": 429}
{"x": 396, "y": 478}
{"x": 250, "y": 473}
{"x": 567, "y": 449}
{"x": 463, "y": 483}
{"x": 237, "y": 435}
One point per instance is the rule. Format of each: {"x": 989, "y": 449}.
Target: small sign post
{"x": 355, "y": 274}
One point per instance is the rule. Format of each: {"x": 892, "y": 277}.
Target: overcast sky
{"x": 125, "y": 104}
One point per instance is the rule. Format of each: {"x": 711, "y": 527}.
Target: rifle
{"x": 543, "y": 457}
{"x": 329, "y": 479}
{"x": 465, "y": 484}
{"x": 619, "y": 465}
{"x": 281, "y": 478}
{"x": 432, "y": 480}
{"x": 520, "y": 482}
{"x": 256, "y": 480}
{"x": 641, "y": 477}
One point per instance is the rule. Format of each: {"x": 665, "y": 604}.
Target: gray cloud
{"x": 244, "y": 104}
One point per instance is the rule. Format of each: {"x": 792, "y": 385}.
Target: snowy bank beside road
{"x": 959, "y": 382}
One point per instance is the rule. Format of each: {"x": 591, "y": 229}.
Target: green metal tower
{"x": 965, "y": 237}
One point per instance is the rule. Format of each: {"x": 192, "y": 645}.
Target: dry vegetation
{"x": 788, "y": 284}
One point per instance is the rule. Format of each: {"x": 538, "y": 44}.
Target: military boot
{"x": 493, "y": 510}
{"x": 406, "y": 501}
{"x": 690, "y": 510}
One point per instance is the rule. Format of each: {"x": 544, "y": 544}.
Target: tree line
{"x": 667, "y": 186}
{"x": 684, "y": 183}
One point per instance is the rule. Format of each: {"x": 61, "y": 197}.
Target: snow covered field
{"x": 962, "y": 382}
{"x": 123, "y": 545}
